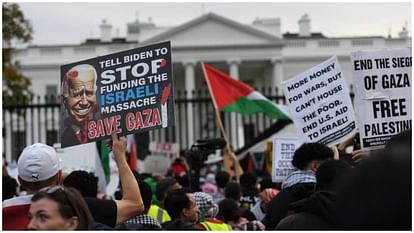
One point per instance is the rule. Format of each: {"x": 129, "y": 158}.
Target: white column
{"x": 237, "y": 130}
{"x": 189, "y": 87}
{"x": 277, "y": 74}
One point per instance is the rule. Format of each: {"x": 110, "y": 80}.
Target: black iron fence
{"x": 38, "y": 121}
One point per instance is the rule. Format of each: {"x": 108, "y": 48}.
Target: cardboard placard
{"x": 320, "y": 104}
{"x": 382, "y": 81}
{"x": 128, "y": 92}
{"x": 283, "y": 151}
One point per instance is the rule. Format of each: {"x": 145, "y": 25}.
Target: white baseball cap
{"x": 38, "y": 162}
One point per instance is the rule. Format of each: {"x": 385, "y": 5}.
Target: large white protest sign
{"x": 382, "y": 81}
{"x": 283, "y": 151}
{"x": 320, "y": 105}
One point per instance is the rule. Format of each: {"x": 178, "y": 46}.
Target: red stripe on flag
{"x": 225, "y": 89}
{"x": 250, "y": 165}
{"x": 133, "y": 157}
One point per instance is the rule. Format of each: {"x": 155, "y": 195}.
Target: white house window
{"x": 51, "y": 93}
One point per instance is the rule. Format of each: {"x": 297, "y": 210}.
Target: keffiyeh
{"x": 144, "y": 220}
{"x": 297, "y": 177}
{"x": 206, "y": 205}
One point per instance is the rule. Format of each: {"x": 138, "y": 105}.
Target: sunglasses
{"x": 55, "y": 190}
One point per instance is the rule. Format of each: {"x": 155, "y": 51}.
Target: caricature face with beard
{"x": 80, "y": 97}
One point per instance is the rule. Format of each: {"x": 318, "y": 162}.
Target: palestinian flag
{"x": 132, "y": 160}
{"x": 103, "y": 153}
{"x": 231, "y": 95}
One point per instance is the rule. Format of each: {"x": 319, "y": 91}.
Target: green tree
{"x": 16, "y": 29}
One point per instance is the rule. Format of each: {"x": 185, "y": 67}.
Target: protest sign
{"x": 128, "y": 92}
{"x": 382, "y": 81}
{"x": 283, "y": 151}
{"x": 269, "y": 156}
{"x": 84, "y": 157}
{"x": 319, "y": 103}
{"x": 168, "y": 150}
{"x": 75, "y": 158}
{"x": 161, "y": 156}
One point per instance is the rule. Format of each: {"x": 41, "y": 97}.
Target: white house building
{"x": 257, "y": 53}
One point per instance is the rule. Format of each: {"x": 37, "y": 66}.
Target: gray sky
{"x": 72, "y": 23}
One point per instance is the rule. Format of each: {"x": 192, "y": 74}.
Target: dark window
{"x": 18, "y": 143}
{"x": 51, "y": 136}
{"x": 51, "y": 94}
{"x": 249, "y": 133}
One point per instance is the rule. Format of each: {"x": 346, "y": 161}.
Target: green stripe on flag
{"x": 104, "y": 156}
{"x": 247, "y": 106}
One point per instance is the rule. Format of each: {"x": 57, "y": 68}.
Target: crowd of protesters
{"x": 355, "y": 192}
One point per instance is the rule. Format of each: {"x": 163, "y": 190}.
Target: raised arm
{"x": 231, "y": 164}
{"x": 131, "y": 203}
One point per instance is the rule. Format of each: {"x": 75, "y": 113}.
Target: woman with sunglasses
{"x": 59, "y": 208}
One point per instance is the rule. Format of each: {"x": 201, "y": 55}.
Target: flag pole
{"x": 227, "y": 159}
{"x": 220, "y": 123}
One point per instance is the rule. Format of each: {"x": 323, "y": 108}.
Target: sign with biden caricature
{"x": 126, "y": 92}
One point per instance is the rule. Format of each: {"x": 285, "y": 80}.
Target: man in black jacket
{"x": 299, "y": 184}
{"x": 318, "y": 211}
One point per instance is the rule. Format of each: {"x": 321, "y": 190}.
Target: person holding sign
{"x": 357, "y": 155}
{"x": 79, "y": 99}
{"x": 231, "y": 164}
{"x": 299, "y": 184}
{"x": 114, "y": 212}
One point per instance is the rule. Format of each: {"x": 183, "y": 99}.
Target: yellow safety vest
{"x": 211, "y": 226}
{"x": 159, "y": 214}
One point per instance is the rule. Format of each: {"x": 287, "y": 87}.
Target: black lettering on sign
{"x": 389, "y": 108}
{"x": 362, "y": 64}
{"x": 398, "y": 62}
{"x": 395, "y": 81}
{"x": 297, "y": 84}
{"x": 382, "y": 63}
{"x": 370, "y": 82}
{"x": 385, "y": 128}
